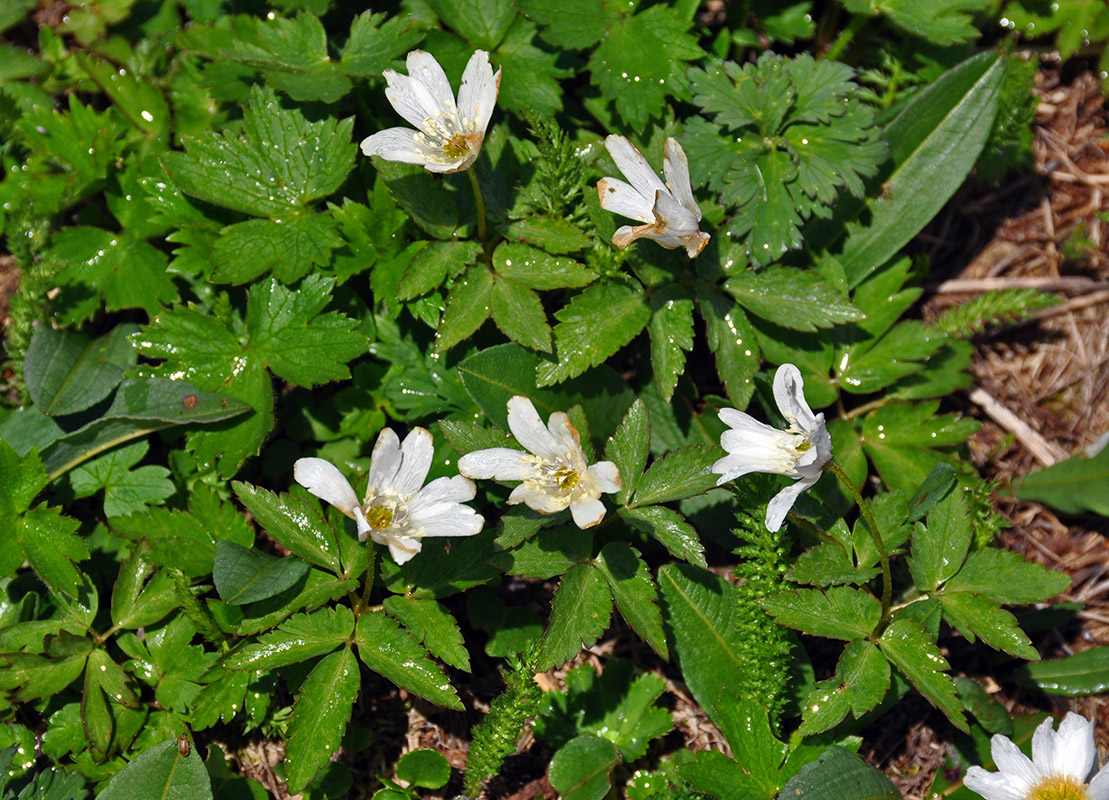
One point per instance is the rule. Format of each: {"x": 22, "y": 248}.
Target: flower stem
{"x": 887, "y": 578}
{"x": 479, "y": 201}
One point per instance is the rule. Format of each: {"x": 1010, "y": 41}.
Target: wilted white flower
{"x": 670, "y": 213}
{"x": 398, "y": 510}
{"x": 554, "y": 473}
{"x": 1062, "y": 762}
{"x": 449, "y": 134}
{"x": 799, "y": 452}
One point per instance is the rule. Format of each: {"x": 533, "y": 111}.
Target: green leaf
{"x": 1074, "y": 486}
{"x": 901, "y": 438}
{"x": 67, "y": 372}
{"x": 531, "y": 72}
{"x": 861, "y": 681}
{"x": 934, "y": 142}
{"x": 715, "y": 774}
{"x": 828, "y": 564}
{"x": 990, "y": 712}
{"x": 746, "y": 725}
{"x": 732, "y": 340}
{"x": 422, "y": 196}
{"x": 670, "y": 529}
{"x": 580, "y": 613}
{"x": 635, "y": 593}
{"x": 677, "y": 475}
{"x": 839, "y": 774}
{"x": 1078, "y": 675}
{"x": 519, "y": 314}
{"x": 281, "y": 163}
{"x": 440, "y": 571}
{"x": 320, "y": 715}
{"x": 295, "y": 524}
{"x": 538, "y": 270}
{"x": 792, "y": 298}
{"x": 640, "y": 62}
{"x": 576, "y": 24}
{"x": 553, "y": 552}
{"x": 135, "y": 605}
{"x": 940, "y": 549}
{"x": 138, "y": 101}
{"x": 699, "y": 609}
{"x": 553, "y": 235}
{"x": 161, "y": 772}
{"x": 1005, "y": 577}
{"x": 126, "y": 490}
{"x": 432, "y": 626}
{"x": 581, "y": 768}
{"x": 973, "y": 615}
{"x": 374, "y": 43}
{"x": 299, "y": 638}
{"x": 468, "y": 305}
{"x": 671, "y": 330}
{"x": 245, "y": 575}
{"x": 628, "y": 449}
{"x": 481, "y": 22}
{"x": 914, "y": 652}
{"x": 511, "y": 629}
{"x": 839, "y": 612}
{"x": 425, "y": 768}
{"x": 593, "y": 326}
{"x": 289, "y": 247}
{"x": 430, "y": 266}
{"x": 944, "y": 22}
{"x": 388, "y": 650}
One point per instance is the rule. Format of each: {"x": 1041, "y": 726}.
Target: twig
{"x": 1041, "y": 449}
{"x": 1061, "y": 284}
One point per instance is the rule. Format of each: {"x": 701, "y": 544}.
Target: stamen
{"x": 379, "y": 517}
{"x": 1058, "y": 787}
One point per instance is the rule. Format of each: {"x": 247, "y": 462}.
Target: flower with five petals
{"x": 554, "y": 474}
{"x": 668, "y": 210}
{"x": 799, "y": 452}
{"x": 1059, "y": 769}
{"x": 397, "y": 510}
{"x": 449, "y": 134}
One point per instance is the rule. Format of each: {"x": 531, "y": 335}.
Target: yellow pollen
{"x": 379, "y": 517}
{"x": 457, "y": 147}
{"x": 1058, "y": 787}
{"x": 805, "y": 445}
{"x": 567, "y": 478}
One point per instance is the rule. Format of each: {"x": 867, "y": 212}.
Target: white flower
{"x": 669, "y": 212}
{"x": 554, "y": 473}
{"x": 1061, "y": 764}
{"x": 799, "y": 452}
{"x": 450, "y": 135}
{"x": 398, "y": 510}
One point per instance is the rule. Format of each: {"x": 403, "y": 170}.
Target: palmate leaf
{"x": 374, "y": 42}
{"x": 127, "y": 489}
{"x": 839, "y": 612}
{"x": 287, "y": 247}
{"x": 432, "y": 626}
{"x": 900, "y": 438}
{"x": 792, "y": 298}
{"x": 861, "y": 681}
{"x": 943, "y": 22}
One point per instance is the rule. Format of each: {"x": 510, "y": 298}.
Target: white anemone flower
{"x": 554, "y": 474}
{"x": 668, "y": 210}
{"x": 398, "y": 510}
{"x": 1061, "y": 764}
{"x": 800, "y": 452}
{"x": 449, "y": 134}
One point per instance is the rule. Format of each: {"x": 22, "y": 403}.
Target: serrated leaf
{"x": 432, "y": 264}
{"x": 1005, "y": 577}
{"x": 670, "y": 529}
{"x": 141, "y": 103}
{"x": 593, "y": 326}
{"x": 67, "y": 372}
{"x": 792, "y": 298}
{"x": 161, "y": 772}
{"x": 900, "y": 438}
{"x": 581, "y": 768}
{"x": 468, "y": 305}
{"x": 440, "y": 570}
{"x": 940, "y": 548}
{"x": 1078, "y": 675}
{"x": 539, "y": 270}
{"x": 677, "y": 475}
{"x": 580, "y": 613}
{"x": 974, "y": 615}
{"x": 989, "y": 711}
{"x": 555, "y": 551}
{"x": 839, "y": 612}
{"x": 432, "y": 626}
{"x": 552, "y": 235}
{"x": 635, "y": 593}
{"x": 732, "y": 341}
{"x": 299, "y": 638}
{"x": 828, "y": 564}
{"x": 914, "y": 652}
{"x": 945, "y": 22}
{"x": 320, "y": 715}
{"x": 280, "y": 163}
{"x": 671, "y": 329}
{"x": 126, "y": 489}
{"x": 575, "y": 24}
{"x": 245, "y": 575}
{"x": 386, "y": 649}
{"x": 375, "y": 41}
{"x": 628, "y": 449}
{"x": 294, "y": 523}
{"x": 519, "y": 314}
{"x": 287, "y": 247}
{"x": 422, "y": 196}
{"x": 482, "y": 22}
{"x": 838, "y": 774}
{"x": 861, "y": 681}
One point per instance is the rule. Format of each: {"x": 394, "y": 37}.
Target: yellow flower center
{"x": 567, "y": 478}
{"x": 458, "y": 146}
{"x": 1058, "y": 787}
{"x": 379, "y": 517}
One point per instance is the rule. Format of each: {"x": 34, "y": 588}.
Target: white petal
{"x": 456, "y": 165}
{"x": 782, "y": 502}
{"x": 991, "y": 785}
{"x": 1017, "y": 768}
{"x": 424, "y": 94}
{"x": 1074, "y": 748}
{"x": 695, "y": 243}
{"x": 634, "y": 166}
{"x": 395, "y": 144}
{"x": 455, "y": 489}
{"x": 502, "y": 463}
{"x": 679, "y": 220}
{"x": 606, "y": 476}
{"x": 538, "y": 499}
{"x": 402, "y": 548}
{"x": 587, "y": 513}
{"x": 789, "y": 394}
{"x": 622, "y": 198}
{"x": 477, "y": 94}
{"x": 676, "y": 168}
{"x": 566, "y": 438}
{"x": 384, "y": 463}
{"x": 323, "y": 479}
{"x": 364, "y": 526}
{"x": 1099, "y": 786}
{"x": 446, "y": 519}
{"x": 417, "y": 453}
{"x": 528, "y": 428}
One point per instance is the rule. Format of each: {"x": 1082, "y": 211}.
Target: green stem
{"x": 479, "y": 201}
{"x": 844, "y": 39}
{"x": 887, "y": 578}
